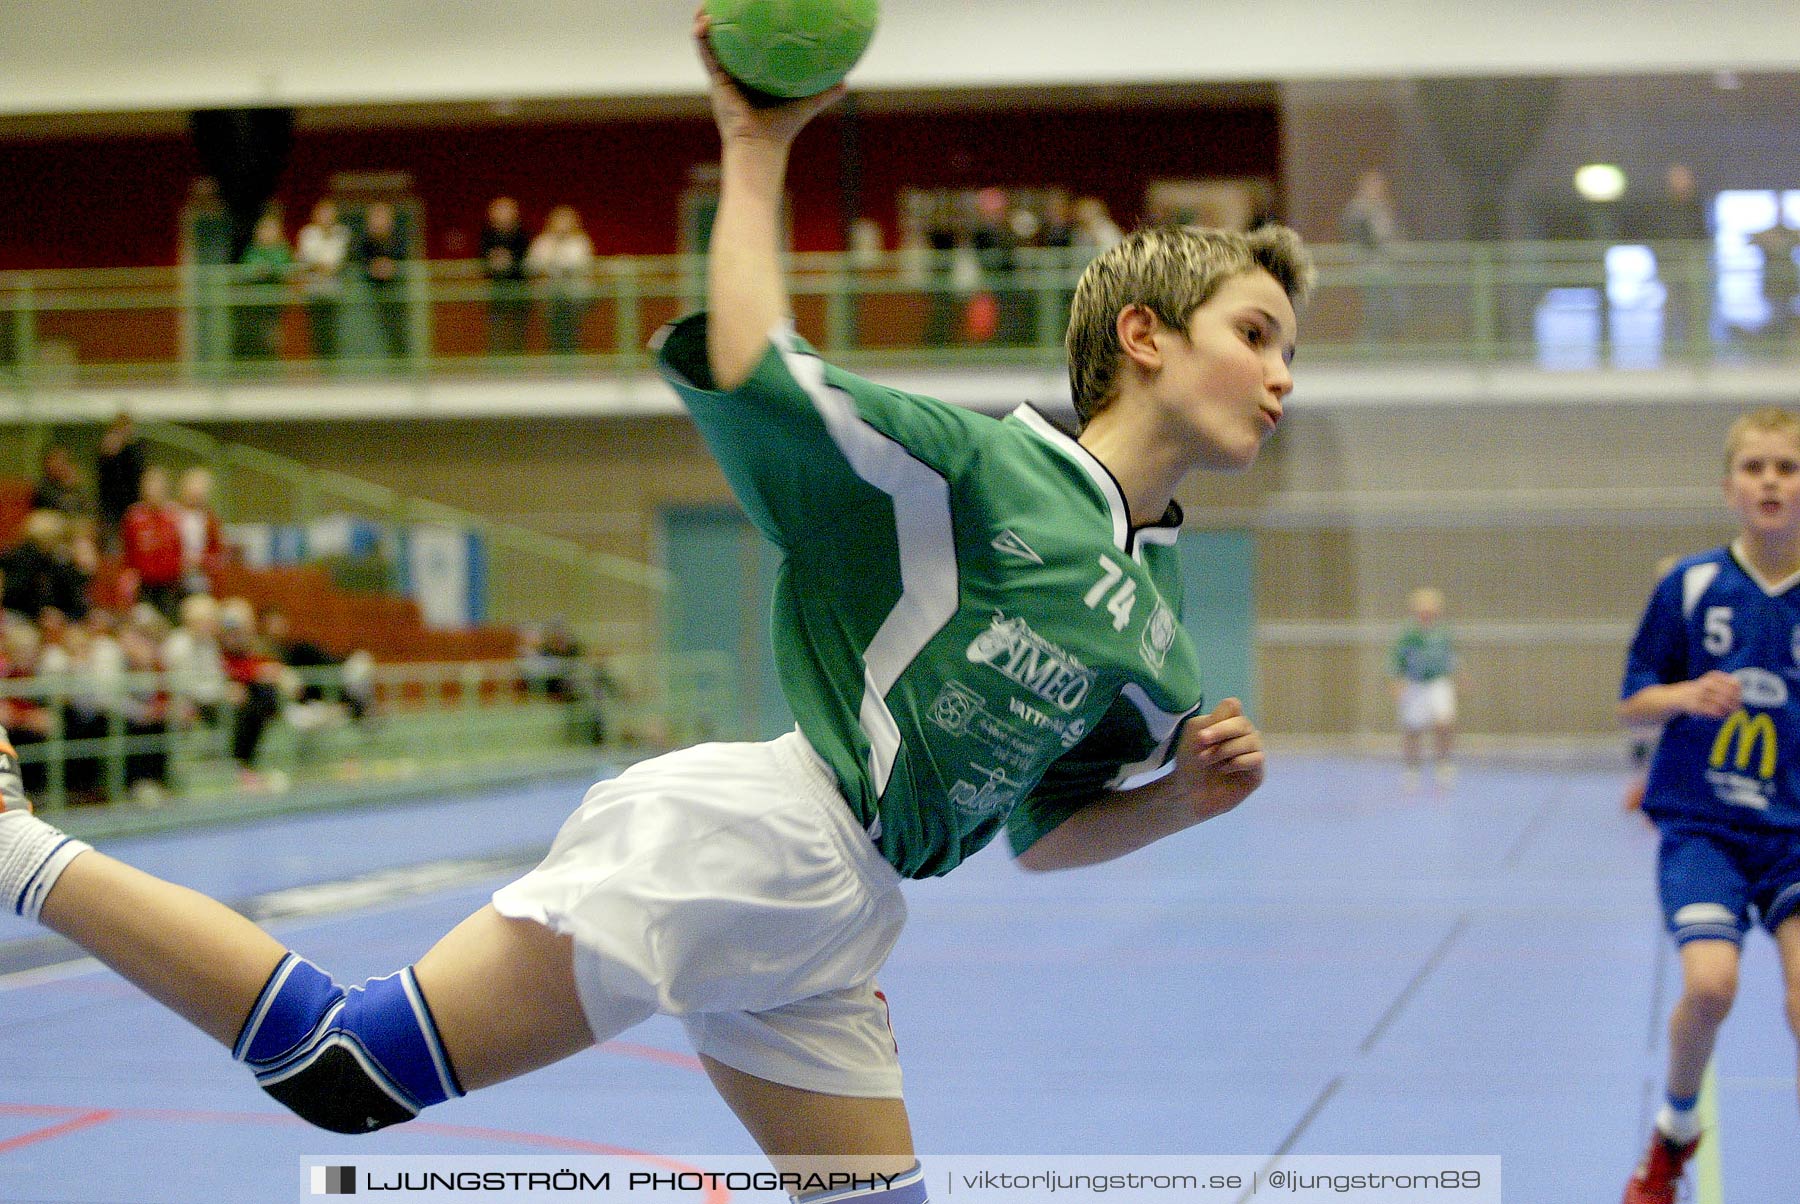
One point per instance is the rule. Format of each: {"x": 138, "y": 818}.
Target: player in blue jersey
{"x": 976, "y": 625}
{"x": 1716, "y": 661}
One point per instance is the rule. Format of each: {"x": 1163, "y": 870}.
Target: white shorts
{"x": 1425, "y": 704}
{"x": 730, "y": 886}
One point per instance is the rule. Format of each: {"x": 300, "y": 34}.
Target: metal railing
{"x": 1558, "y": 304}
{"x": 253, "y": 483}
{"x": 136, "y": 736}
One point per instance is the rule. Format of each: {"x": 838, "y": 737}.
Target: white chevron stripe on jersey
{"x": 1103, "y": 480}
{"x": 1693, "y": 584}
{"x": 923, "y": 533}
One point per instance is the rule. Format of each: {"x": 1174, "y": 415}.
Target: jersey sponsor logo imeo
{"x": 1761, "y": 688}
{"x": 1009, "y": 543}
{"x": 1018, "y": 653}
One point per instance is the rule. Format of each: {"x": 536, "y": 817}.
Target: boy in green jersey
{"x": 1422, "y": 670}
{"x": 977, "y": 625}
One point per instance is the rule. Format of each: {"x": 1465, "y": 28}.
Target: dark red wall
{"x": 114, "y": 201}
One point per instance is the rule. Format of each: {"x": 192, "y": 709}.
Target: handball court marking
{"x": 1337, "y": 969}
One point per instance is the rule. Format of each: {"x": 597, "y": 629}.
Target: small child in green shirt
{"x": 1422, "y": 667}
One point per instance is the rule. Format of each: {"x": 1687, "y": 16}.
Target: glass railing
{"x": 1556, "y": 305}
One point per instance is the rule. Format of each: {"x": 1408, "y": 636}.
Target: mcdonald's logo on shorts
{"x": 1749, "y": 733}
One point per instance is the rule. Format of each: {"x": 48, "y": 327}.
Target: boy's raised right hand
{"x": 739, "y": 118}
{"x": 1713, "y": 695}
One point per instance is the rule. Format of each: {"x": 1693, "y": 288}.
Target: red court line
{"x": 85, "y": 1120}
{"x": 650, "y": 1053}
{"x": 89, "y": 1118}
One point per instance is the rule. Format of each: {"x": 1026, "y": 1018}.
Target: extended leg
{"x": 811, "y": 1134}
{"x": 349, "y": 1060}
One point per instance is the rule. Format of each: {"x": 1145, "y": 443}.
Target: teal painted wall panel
{"x": 1218, "y": 570}
{"x": 722, "y": 575}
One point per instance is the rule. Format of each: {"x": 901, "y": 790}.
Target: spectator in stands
{"x": 504, "y": 247}
{"x": 81, "y": 551}
{"x": 541, "y": 674}
{"x": 1369, "y": 223}
{"x": 151, "y": 539}
{"x": 996, "y": 251}
{"x": 355, "y": 690}
{"x": 382, "y": 253}
{"x": 59, "y": 486}
{"x": 1095, "y": 229}
{"x": 202, "y": 536}
{"x": 562, "y": 256}
{"x": 1780, "y": 280}
{"x": 53, "y": 642}
{"x": 38, "y": 574}
{"x": 137, "y": 696}
{"x": 319, "y": 255}
{"x": 62, "y": 667}
{"x": 149, "y": 622}
{"x": 98, "y": 658}
{"x": 26, "y": 719}
{"x": 199, "y": 689}
{"x": 553, "y": 664}
{"x": 946, "y": 241}
{"x": 118, "y": 476}
{"x": 262, "y": 276}
{"x": 255, "y": 688}
{"x": 1680, "y": 216}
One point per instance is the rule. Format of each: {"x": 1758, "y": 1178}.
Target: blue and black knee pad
{"x": 351, "y": 1061}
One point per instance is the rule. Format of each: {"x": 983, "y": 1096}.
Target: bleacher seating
{"x": 15, "y": 504}
{"x": 389, "y": 628}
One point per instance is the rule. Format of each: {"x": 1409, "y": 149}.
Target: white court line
{"x": 364, "y": 893}
{"x": 37, "y": 976}
{"x": 1709, "y": 1180}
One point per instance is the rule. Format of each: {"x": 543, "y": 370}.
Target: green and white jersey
{"x": 967, "y": 627}
{"x": 1422, "y": 653}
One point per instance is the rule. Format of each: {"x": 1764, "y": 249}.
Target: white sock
{"x": 1678, "y": 1124}
{"x": 33, "y": 856}
{"x": 907, "y": 1188}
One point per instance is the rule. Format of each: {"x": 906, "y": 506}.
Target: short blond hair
{"x": 1426, "y": 597}
{"x": 1772, "y": 420}
{"x": 1171, "y": 271}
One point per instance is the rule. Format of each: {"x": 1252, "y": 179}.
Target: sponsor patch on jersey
{"x": 997, "y": 793}
{"x": 1159, "y": 636}
{"x": 954, "y": 706}
{"x": 1009, "y": 543}
{"x": 1019, "y": 654}
{"x": 1761, "y": 687}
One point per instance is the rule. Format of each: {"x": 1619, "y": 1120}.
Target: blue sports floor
{"x": 1338, "y": 968}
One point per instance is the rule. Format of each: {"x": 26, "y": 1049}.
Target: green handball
{"x": 789, "y": 48}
